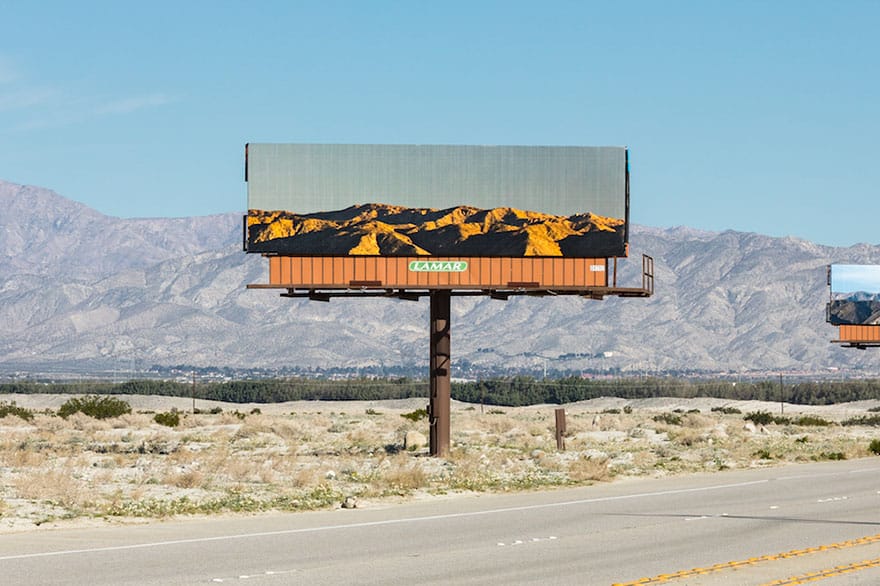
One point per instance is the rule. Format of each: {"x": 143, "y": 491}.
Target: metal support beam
{"x": 440, "y": 365}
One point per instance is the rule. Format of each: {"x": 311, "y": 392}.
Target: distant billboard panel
{"x": 437, "y": 200}
{"x": 855, "y": 295}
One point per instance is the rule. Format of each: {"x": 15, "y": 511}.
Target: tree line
{"x": 513, "y": 391}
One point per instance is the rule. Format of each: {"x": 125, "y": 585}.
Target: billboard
{"x": 437, "y": 200}
{"x": 855, "y": 295}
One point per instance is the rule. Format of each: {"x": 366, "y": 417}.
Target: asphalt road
{"x": 738, "y": 527}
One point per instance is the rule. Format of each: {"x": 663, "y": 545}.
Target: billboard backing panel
{"x": 480, "y": 273}
{"x": 437, "y": 200}
{"x": 855, "y": 295}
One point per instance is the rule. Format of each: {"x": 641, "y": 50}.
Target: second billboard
{"x": 855, "y": 295}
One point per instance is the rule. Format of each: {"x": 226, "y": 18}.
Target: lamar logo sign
{"x": 438, "y": 266}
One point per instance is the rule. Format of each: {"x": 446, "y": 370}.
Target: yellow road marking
{"x": 661, "y": 578}
{"x": 829, "y": 573}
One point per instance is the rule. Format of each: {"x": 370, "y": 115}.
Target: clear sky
{"x": 853, "y": 278}
{"x": 759, "y": 116}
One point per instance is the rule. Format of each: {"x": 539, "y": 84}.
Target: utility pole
{"x": 440, "y": 366}
{"x": 781, "y": 396}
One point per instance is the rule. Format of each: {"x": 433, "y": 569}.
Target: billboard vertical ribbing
{"x": 435, "y": 200}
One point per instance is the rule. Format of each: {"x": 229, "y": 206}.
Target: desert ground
{"x": 255, "y": 458}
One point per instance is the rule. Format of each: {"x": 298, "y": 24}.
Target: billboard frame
{"x": 347, "y": 282}
{"x": 850, "y": 335}
{"x": 584, "y": 192}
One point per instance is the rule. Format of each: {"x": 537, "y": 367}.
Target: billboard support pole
{"x": 440, "y": 366}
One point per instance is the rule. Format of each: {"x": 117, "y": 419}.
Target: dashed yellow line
{"x": 812, "y": 577}
{"x": 829, "y": 573}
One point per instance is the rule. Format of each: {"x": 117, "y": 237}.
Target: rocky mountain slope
{"x": 459, "y": 231}
{"x": 83, "y": 290}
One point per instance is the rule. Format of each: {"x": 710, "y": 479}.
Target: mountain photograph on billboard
{"x": 436, "y": 200}
{"x": 855, "y": 295}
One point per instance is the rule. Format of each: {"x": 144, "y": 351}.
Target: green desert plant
{"x": 667, "y": 418}
{"x": 765, "y": 418}
{"x": 871, "y": 420}
{"x": 94, "y": 406}
{"x": 169, "y": 418}
{"x": 416, "y": 415}
{"x": 13, "y": 409}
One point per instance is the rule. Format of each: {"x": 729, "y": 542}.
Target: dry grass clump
{"x": 402, "y": 476}
{"x": 230, "y": 461}
{"x": 57, "y": 486}
{"x": 589, "y": 470}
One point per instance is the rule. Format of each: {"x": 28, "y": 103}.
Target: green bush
{"x": 812, "y": 420}
{"x": 726, "y": 410}
{"x": 765, "y": 418}
{"x": 95, "y": 406}
{"x": 169, "y": 419}
{"x": 416, "y": 415}
{"x": 874, "y": 447}
{"x": 872, "y": 421}
{"x": 668, "y": 419}
{"x": 13, "y": 409}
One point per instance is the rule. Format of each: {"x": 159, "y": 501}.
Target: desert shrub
{"x": 726, "y": 410}
{"x": 627, "y": 409}
{"x": 831, "y": 456}
{"x": 95, "y": 406}
{"x": 668, "y": 419}
{"x": 872, "y": 421}
{"x": 765, "y": 418}
{"x": 686, "y": 437}
{"x": 169, "y": 418}
{"x": 13, "y": 409}
{"x": 611, "y": 411}
{"x": 589, "y": 469}
{"x": 759, "y": 418}
{"x": 812, "y": 420}
{"x": 416, "y": 415}
{"x": 874, "y": 447}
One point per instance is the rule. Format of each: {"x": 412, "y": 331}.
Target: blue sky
{"x": 753, "y": 116}
{"x": 854, "y": 278}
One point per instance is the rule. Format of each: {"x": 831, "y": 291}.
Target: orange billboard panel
{"x": 859, "y": 333}
{"x": 377, "y": 272}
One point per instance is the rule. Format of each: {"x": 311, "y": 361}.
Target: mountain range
{"x": 82, "y": 291}
{"x": 382, "y": 229}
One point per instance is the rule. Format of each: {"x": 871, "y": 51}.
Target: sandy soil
{"x": 251, "y": 458}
